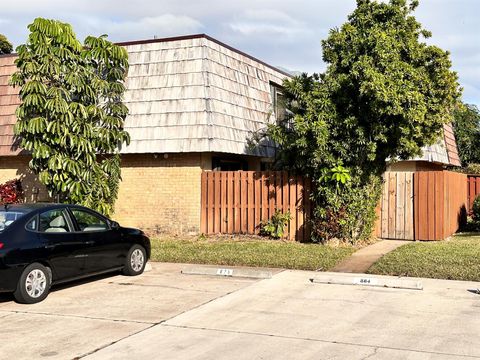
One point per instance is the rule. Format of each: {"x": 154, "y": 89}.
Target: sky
{"x": 284, "y": 33}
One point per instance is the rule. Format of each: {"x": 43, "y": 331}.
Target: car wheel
{"x": 135, "y": 261}
{"x": 33, "y": 285}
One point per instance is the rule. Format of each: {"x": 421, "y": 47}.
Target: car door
{"x": 105, "y": 247}
{"x": 65, "y": 252}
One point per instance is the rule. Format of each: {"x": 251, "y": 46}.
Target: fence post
{"x": 203, "y": 201}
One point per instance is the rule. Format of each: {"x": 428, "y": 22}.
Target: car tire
{"x": 135, "y": 261}
{"x": 33, "y": 285}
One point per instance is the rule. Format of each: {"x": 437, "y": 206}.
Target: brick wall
{"x": 16, "y": 167}
{"x": 161, "y": 194}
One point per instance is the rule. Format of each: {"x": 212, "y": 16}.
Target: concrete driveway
{"x": 168, "y": 315}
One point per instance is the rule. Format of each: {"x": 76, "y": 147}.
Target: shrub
{"x": 473, "y": 169}
{"x": 476, "y": 209}
{"x": 347, "y": 214}
{"x": 275, "y": 226}
{"x": 329, "y": 225}
{"x": 471, "y": 225}
{"x": 11, "y": 192}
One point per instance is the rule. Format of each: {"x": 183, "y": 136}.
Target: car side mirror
{"x": 114, "y": 225}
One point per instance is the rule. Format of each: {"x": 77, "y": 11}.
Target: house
{"x": 194, "y": 105}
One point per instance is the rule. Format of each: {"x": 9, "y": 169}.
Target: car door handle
{"x": 91, "y": 242}
{"x": 49, "y": 246}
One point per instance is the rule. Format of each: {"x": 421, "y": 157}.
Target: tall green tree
{"x": 5, "y": 45}
{"x": 71, "y": 118}
{"x": 390, "y": 92}
{"x": 466, "y": 126}
{"x": 385, "y": 95}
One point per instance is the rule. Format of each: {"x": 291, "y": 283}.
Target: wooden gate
{"x": 396, "y": 207}
{"x": 440, "y": 204}
{"x": 423, "y": 205}
{"x": 236, "y": 202}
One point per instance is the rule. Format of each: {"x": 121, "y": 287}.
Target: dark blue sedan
{"x": 45, "y": 244}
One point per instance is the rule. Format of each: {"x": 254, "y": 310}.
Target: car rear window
{"x": 7, "y": 218}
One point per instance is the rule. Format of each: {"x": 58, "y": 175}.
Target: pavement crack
{"x": 2, "y": 316}
{"x": 81, "y": 317}
{"x": 375, "y": 350}
{"x": 160, "y": 286}
{"x": 326, "y": 341}
{"x": 160, "y": 323}
{"x": 214, "y": 299}
{"x": 113, "y": 342}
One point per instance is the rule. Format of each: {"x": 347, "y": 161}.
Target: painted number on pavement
{"x": 225, "y": 272}
{"x": 365, "y": 281}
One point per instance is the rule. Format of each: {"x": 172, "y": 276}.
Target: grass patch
{"x": 245, "y": 251}
{"x": 454, "y": 259}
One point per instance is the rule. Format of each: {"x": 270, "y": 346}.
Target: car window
{"x": 53, "y": 221}
{"x": 89, "y": 222}
{"x": 7, "y": 218}
{"x": 32, "y": 224}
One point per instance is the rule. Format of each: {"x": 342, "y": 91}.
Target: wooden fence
{"x": 473, "y": 189}
{"x": 236, "y": 202}
{"x": 424, "y": 205}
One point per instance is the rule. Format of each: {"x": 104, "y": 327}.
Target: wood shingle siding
{"x": 195, "y": 95}
{"x": 451, "y": 145}
{"x": 436, "y": 153}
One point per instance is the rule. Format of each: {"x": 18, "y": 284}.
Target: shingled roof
{"x": 451, "y": 145}
{"x": 192, "y": 94}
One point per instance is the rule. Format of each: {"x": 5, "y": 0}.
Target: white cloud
{"x": 264, "y": 29}
{"x": 265, "y": 22}
{"x": 147, "y": 27}
{"x": 270, "y": 15}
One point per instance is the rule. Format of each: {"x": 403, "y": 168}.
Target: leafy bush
{"x": 349, "y": 214}
{"x": 476, "y": 209}
{"x": 329, "y": 224}
{"x": 5, "y": 45}
{"x": 11, "y": 192}
{"x": 467, "y": 133}
{"x": 471, "y": 225}
{"x": 473, "y": 169}
{"x": 275, "y": 226}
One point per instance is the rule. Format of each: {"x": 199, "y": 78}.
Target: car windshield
{"x": 7, "y": 218}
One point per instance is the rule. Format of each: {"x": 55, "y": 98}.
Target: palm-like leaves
{"x": 71, "y": 112}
